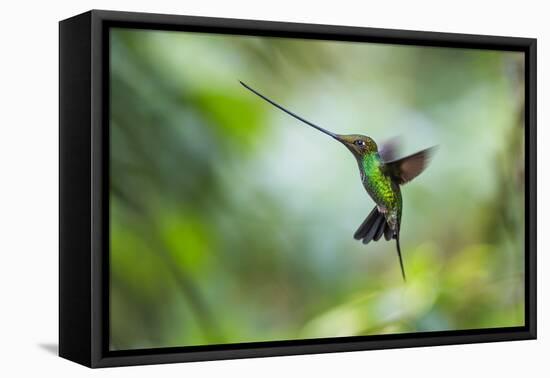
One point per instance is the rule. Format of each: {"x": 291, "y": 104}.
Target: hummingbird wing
{"x": 388, "y": 150}
{"x": 405, "y": 169}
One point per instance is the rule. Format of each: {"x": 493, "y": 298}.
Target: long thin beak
{"x": 335, "y": 136}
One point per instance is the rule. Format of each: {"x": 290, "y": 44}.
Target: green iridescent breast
{"x": 383, "y": 190}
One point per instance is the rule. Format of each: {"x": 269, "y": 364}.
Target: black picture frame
{"x": 84, "y": 188}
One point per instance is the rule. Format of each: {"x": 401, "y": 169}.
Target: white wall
{"x": 28, "y": 200}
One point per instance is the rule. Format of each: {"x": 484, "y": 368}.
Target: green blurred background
{"x": 232, "y": 222}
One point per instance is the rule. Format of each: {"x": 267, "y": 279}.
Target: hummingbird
{"x": 382, "y": 175}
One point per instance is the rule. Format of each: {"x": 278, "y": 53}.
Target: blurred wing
{"x": 388, "y": 150}
{"x": 405, "y": 169}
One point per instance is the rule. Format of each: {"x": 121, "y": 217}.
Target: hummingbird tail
{"x": 372, "y": 229}
{"x": 400, "y": 258}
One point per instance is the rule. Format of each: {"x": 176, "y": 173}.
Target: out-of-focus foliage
{"x": 232, "y": 222}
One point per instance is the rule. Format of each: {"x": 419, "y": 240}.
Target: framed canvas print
{"x": 235, "y": 188}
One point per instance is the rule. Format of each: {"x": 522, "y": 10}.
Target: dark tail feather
{"x": 388, "y": 233}
{"x": 366, "y": 225}
{"x": 373, "y": 227}
{"x": 383, "y": 225}
{"x": 399, "y": 254}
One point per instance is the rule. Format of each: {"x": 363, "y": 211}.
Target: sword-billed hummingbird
{"x": 381, "y": 175}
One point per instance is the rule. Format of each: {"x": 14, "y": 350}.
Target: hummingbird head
{"x": 359, "y": 145}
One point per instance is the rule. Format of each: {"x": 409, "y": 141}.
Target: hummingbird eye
{"x": 359, "y": 142}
